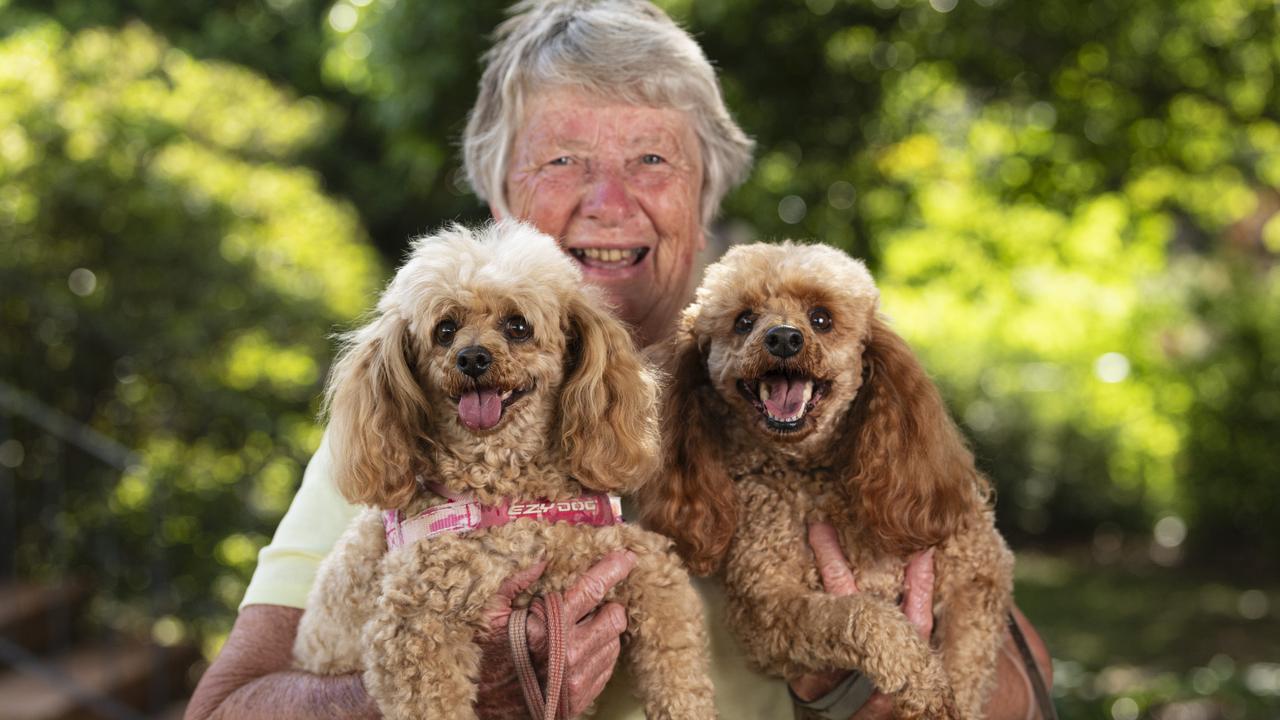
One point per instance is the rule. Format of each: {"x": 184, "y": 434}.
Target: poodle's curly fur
{"x": 582, "y": 417}
{"x": 874, "y": 453}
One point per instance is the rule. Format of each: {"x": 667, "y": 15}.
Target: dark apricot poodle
{"x": 792, "y": 401}
{"x": 489, "y": 370}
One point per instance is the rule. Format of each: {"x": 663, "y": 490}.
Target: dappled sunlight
{"x": 172, "y": 276}
{"x": 1072, "y": 211}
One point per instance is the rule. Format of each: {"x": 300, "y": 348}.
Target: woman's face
{"x": 619, "y": 186}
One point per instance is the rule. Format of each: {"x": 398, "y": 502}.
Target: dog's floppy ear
{"x": 377, "y": 416}
{"x": 608, "y": 403}
{"x": 692, "y": 500}
{"x": 911, "y": 477}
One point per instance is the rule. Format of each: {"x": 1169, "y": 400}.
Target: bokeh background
{"x": 1071, "y": 209}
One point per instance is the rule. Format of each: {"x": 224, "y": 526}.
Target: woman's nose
{"x": 607, "y": 198}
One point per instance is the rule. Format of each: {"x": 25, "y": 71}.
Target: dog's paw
{"x": 938, "y": 704}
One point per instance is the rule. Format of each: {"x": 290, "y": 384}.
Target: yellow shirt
{"x": 318, "y": 515}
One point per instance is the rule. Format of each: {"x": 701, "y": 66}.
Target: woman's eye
{"x": 517, "y": 328}
{"x": 745, "y": 321}
{"x": 444, "y": 332}
{"x": 651, "y": 159}
{"x": 820, "y": 319}
{"x": 561, "y": 161}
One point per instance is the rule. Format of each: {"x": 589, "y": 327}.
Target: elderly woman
{"x": 603, "y": 125}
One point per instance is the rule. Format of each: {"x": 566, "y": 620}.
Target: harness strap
{"x": 549, "y": 609}
{"x": 463, "y": 514}
{"x": 1043, "y": 700}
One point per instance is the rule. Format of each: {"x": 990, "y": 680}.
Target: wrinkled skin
{"x": 603, "y": 174}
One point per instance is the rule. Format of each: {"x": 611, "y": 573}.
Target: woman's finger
{"x": 597, "y": 631}
{"x": 837, "y": 577}
{"x": 587, "y": 679}
{"x": 591, "y": 587}
{"x": 499, "y": 607}
{"x": 917, "y": 593}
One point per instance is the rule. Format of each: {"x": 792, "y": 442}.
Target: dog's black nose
{"x": 474, "y": 360}
{"x": 783, "y": 341}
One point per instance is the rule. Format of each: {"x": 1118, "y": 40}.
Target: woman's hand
{"x": 837, "y": 579}
{"x": 591, "y": 645}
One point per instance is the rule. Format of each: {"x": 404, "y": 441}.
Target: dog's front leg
{"x": 977, "y": 571}
{"x": 787, "y": 628}
{"x": 421, "y": 658}
{"x": 342, "y": 599}
{"x": 668, "y": 648}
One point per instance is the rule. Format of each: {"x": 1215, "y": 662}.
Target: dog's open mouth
{"x": 784, "y": 399}
{"x": 482, "y": 407}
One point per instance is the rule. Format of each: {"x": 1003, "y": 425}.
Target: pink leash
{"x": 549, "y": 609}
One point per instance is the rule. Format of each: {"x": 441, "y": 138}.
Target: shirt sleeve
{"x": 308, "y": 531}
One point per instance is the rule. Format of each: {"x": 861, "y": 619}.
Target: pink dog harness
{"x": 463, "y": 513}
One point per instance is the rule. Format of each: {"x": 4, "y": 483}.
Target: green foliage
{"x": 1028, "y": 180}
{"x": 1071, "y": 209}
{"x": 1118, "y": 654}
{"x": 412, "y": 68}
{"x": 399, "y": 75}
{"x": 1231, "y": 454}
{"x": 171, "y": 275}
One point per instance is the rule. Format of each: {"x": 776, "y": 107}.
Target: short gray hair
{"x": 624, "y": 50}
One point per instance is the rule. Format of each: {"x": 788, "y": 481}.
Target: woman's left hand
{"x": 593, "y": 638}
{"x": 837, "y": 579}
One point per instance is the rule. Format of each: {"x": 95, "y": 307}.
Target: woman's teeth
{"x": 616, "y": 257}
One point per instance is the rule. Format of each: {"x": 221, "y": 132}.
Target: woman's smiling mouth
{"x": 609, "y": 258}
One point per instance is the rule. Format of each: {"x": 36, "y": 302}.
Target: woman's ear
{"x": 911, "y": 477}
{"x": 377, "y": 416}
{"x": 608, "y": 403}
{"x": 692, "y": 500}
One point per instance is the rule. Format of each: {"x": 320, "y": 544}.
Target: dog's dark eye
{"x": 444, "y": 332}
{"x": 820, "y": 319}
{"x": 745, "y": 322}
{"x": 517, "y": 328}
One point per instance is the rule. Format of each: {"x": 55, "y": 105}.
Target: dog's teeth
{"x": 506, "y": 395}
{"x": 808, "y": 392}
{"x": 764, "y": 392}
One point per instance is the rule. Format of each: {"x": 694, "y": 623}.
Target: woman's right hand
{"x": 592, "y": 644}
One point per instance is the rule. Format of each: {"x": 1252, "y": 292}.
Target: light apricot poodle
{"x": 793, "y": 402}
{"x": 490, "y": 370}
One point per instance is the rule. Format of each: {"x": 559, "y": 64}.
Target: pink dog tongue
{"x": 786, "y": 395}
{"x": 480, "y": 409}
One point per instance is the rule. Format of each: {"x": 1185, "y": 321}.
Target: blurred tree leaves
{"x": 1034, "y": 184}
{"x": 398, "y": 76}
{"x": 170, "y": 276}
{"x": 1071, "y": 210}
